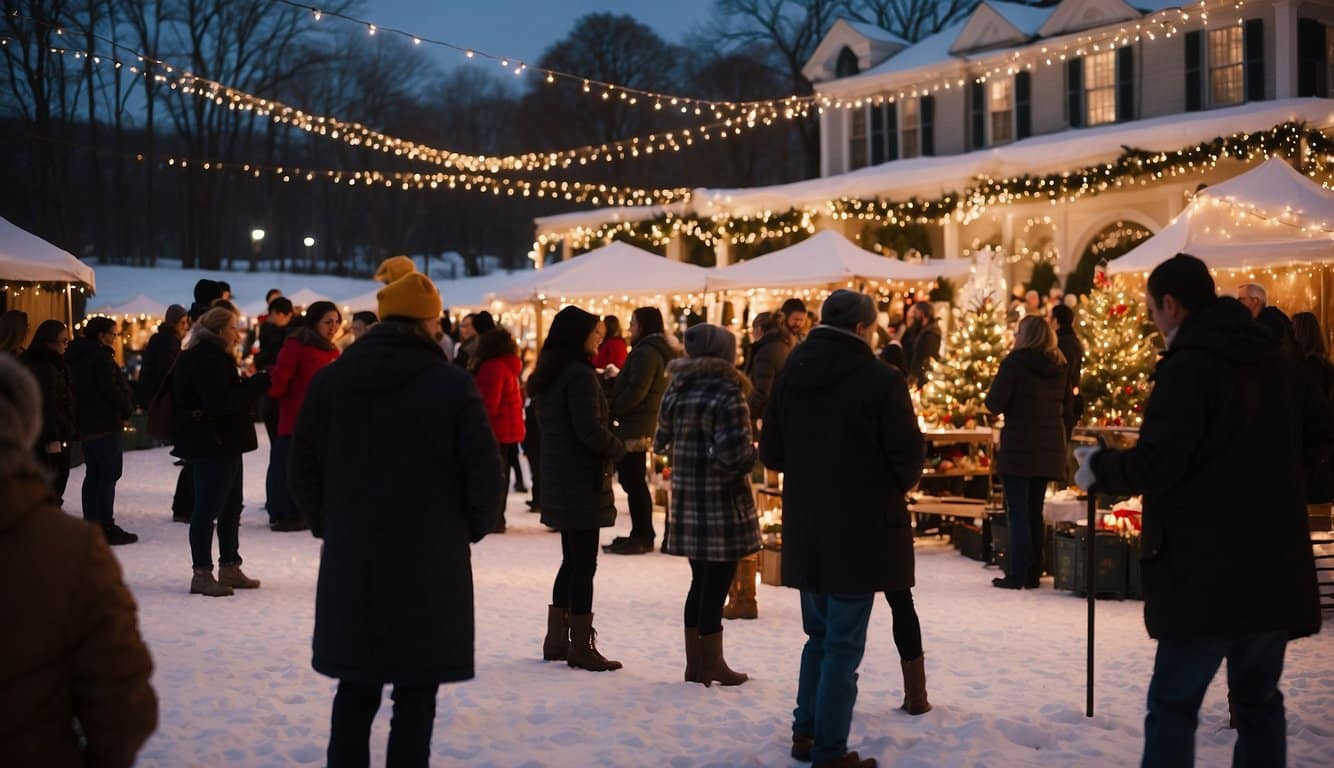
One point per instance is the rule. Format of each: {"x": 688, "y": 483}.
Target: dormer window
{"x": 1100, "y": 88}
{"x": 847, "y": 64}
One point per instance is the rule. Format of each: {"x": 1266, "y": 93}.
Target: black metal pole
{"x": 1090, "y": 579}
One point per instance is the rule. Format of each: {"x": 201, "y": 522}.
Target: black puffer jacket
{"x": 1073, "y": 352}
{"x": 394, "y": 602}
{"x": 53, "y": 379}
{"x": 637, "y": 391}
{"x": 1030, "y": 390}
{"x": 212, "y": 403}
{"x": 842, "y": 429}
{"x": 102, "y": 398}
{"x": 579, "y": 451}
{"x": 159, "y": 355}
{"x": 767, "y": 358}
{"x": 1228, "y": 427}
{"x": 1320, "y": 474}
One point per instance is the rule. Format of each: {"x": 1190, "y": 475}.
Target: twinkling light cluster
{"x": 1119, "y": 354}
{"x": 958, "y": 381}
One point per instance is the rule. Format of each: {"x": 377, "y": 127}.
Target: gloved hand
{"x": 1084, "y": 455}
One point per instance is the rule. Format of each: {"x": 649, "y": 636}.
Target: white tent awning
{"x": 616, "y": 269}
{"x": 827, "y": 258}
{"x": 140, "y": 305}
{"x": 27, "y": 257}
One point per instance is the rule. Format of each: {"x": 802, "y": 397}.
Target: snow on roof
{"x": 1153, "y": 6}
{"x": 139, "y": 306}
{"x": 827, "y": 258}
{"x": 614, "y": 269}
{"x": 873, "y": 32}
{"x": 923, "y": 53}
{"x": 1025, "y": 18}
{"x": 27, "y": 257}
{"x": 563, "y": 222}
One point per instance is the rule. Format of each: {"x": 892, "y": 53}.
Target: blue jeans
{"x": 217, "y": 498}
{"x": 1181, "y": 675}
{"x": 835, "y": 628}
{"x": 1023, "y": 511}
{"x": 275, "y": 481}
{"x": 103, "y": 466}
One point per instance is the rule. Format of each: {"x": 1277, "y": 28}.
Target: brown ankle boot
{"x": 557, "y": 641}
{"x": 914, "y": 687}
{"x": 848, "y": 760}
{"x": 692, "y": 656}
{"x": 712, "y": 666}
{"x": 741, "y": 597}
{"x": 583, "y": 652}
{"x": 232, "y": 576}
{"x": 203, "y": 583}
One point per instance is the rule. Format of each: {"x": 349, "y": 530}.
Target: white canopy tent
{"x": 827, "y": 258}
{"x": 1270, "y": 216}
{"x": 28, "y": 261}
{"x": 616, "y": 269}
{"x": 460, "y": 293}
{"x": 302, "y": 298}
{"x": 140, "y": 306}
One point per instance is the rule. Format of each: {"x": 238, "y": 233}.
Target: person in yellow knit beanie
{"x": 411, "y": 296}
{"x": 395, "y": 267}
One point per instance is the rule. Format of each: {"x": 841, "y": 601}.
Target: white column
{"x": 951, "y": 239}
{"x": 1007, "y": 234}
{"x": 676, "y": 248}
{"x": 1285, "y": 49}
{"x": 824, "y": 143}
{"x": 722, "y": 251}
{"x": 566, "y": 249}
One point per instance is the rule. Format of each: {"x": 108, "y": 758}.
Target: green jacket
{"x": 637, "y": 391}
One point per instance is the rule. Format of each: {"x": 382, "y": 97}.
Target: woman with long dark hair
{"x": 212, "y": 428}
{"x": 13, "y": 331}
{"x": 45, "y": 357}
{"x": 497, "y": 378}
{"x": 1030, "y": 391}
{"x": 579, "y": 455}
{"x": 302, "y": 354}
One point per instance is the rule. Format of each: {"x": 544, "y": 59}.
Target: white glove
{"x": 611, "y": 371}
{"x": 1084, "y": 455}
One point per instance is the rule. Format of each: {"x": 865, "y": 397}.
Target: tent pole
{"x": 69, "y": 306}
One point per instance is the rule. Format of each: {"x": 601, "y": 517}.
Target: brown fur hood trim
{"x": 686, "y": 369}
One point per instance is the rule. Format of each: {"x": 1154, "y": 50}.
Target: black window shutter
{"x": 1312, "y": 64}
{"x": 928, "y": 128}
{"x": 1194, "y": 71}
{"x": 977, "y": 96}
{"x": 877, "y": 135}
{"x": 1125, "y": 84}
{"x": 1074, "y": 90}
{"x": 1023, "y": 110}
{"x": 891, "y": 131}
{"x": 1255, "y": 59}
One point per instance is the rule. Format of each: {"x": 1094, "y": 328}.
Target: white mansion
{"x": 1015, "y": 91}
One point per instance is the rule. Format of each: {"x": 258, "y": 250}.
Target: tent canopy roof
{"x": 139, "y": 305}
{"x": 617, "y": 269}
{"x": 826, "y": 258}
{"x": 27, "y": 257}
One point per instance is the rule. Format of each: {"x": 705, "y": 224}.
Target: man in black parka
{"x": 394, "y": 602}
{"x": 1227, "y": 561}
{"x": 841, "y": 427}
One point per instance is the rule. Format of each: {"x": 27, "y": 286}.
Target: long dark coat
{"x": 921, "y": 345}
{"x": 1073, "y": 351}
{"x": 102, "y": 398}
{"x": 767, "y": 357}
{"x": 1320, "y": 473}
{"x": 704, "y": 427}
{"x": 1227, "y": 429}
{"x": 212, "y": 404}
{"x": 394, "y": 465}
{"x": 53, "y": 379}
{"x": 841, "y": 428}
{"x": 579, "y": 452}
{"x": 1030, "y": 390}
{"x": 637, "y": 391}
{"x": 159, "y": 355}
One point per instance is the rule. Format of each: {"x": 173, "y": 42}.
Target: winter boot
{"x": 203, "y": 583}
{"x": 557, "y": 641}
{"x": 583, "y": 652}
{"x": 712, "y": 666}
{"x": 741, "y": 597}
{"x": 914, "y": 687}
{"x": 802, "y": 744}
{"x": 232, "y": 576}
{"x": 848, "y": 760}
{"x": 692, "y": 656}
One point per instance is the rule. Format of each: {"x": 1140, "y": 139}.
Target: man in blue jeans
{"x": 1227, "y": 564}
{"x": 841, "y": 428}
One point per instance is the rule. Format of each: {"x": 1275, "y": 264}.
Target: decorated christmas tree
{"x": 958, "y": 382}
{"x": 1119, "y": 355}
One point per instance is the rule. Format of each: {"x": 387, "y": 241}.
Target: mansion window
{"x": 857, "y": 139}
{"x": 1100, "y": 88}
{"x": 1001, "y": 109}
{"x": 910, "y": 128}
{"x": 1227, "y": 66}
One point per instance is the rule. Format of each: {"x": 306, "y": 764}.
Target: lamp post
{"x": 256, "y": 242}
{"x": 309, "y": 242}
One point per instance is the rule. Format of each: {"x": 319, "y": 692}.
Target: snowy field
{"x": 1005, "y": 670}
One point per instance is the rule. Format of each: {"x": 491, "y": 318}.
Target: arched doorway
{"x": 1111, "y": 242}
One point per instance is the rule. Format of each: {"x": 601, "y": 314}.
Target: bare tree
{"x": 913, "y": 20}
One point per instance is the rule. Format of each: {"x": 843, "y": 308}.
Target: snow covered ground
{"x": 1005, "y": 670}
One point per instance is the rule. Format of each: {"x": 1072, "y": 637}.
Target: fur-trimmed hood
{"x": 685, "y": 370}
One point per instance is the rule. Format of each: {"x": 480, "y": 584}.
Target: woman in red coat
{"x": 498, "y": 368}
{"x": 305, "y": 352}
{"x": 612, "y": 350}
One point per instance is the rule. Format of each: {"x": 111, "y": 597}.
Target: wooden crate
{"x": 771, "y": 567}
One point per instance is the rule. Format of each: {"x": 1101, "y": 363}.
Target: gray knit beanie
{"x": 845, "y": 309}
{"x": 708, "y": 340}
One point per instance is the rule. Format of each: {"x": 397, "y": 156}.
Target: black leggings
{"x": 354, "y": 710}
{"x": 573, "y": 589}
{"x": 907, "y": 629}
{"x": 709, "y": 582}
{"x": 509, "y": 459}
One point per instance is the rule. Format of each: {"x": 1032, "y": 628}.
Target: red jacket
{"x": 498, "y": 381}
{"x": 291, "y": 375}
{"x": 612, "y": 351}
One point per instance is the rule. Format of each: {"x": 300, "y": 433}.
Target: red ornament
{"x": 947, "y": 418}
{"x": 1130, "y": 390}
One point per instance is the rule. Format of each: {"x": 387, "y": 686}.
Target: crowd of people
{"x": 822, "y": 400}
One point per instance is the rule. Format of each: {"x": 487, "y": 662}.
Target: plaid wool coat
{"x": 704, "y": 430}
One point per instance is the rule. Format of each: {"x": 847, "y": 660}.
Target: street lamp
{"x": 256, "y": 238}
{"x": 309, "y": 242}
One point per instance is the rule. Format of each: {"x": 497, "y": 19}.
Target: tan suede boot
{"x": 914, "y": 687}
{"x": 232, "y": 576}
{"x": 203, "y": 583}
{"x": 583, "y": 652}
{"x": 557, "y": 641}
{"x": 741, "y": 597}
{"x": 712, "y": 666}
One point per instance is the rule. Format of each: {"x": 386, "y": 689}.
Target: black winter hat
{"x": 483, "y": 322}
{"x": 206, "y": 291}
{"x": 569, "y": 328}
{"x": 708, "y": 340}
{"x": 845, "y": 309}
